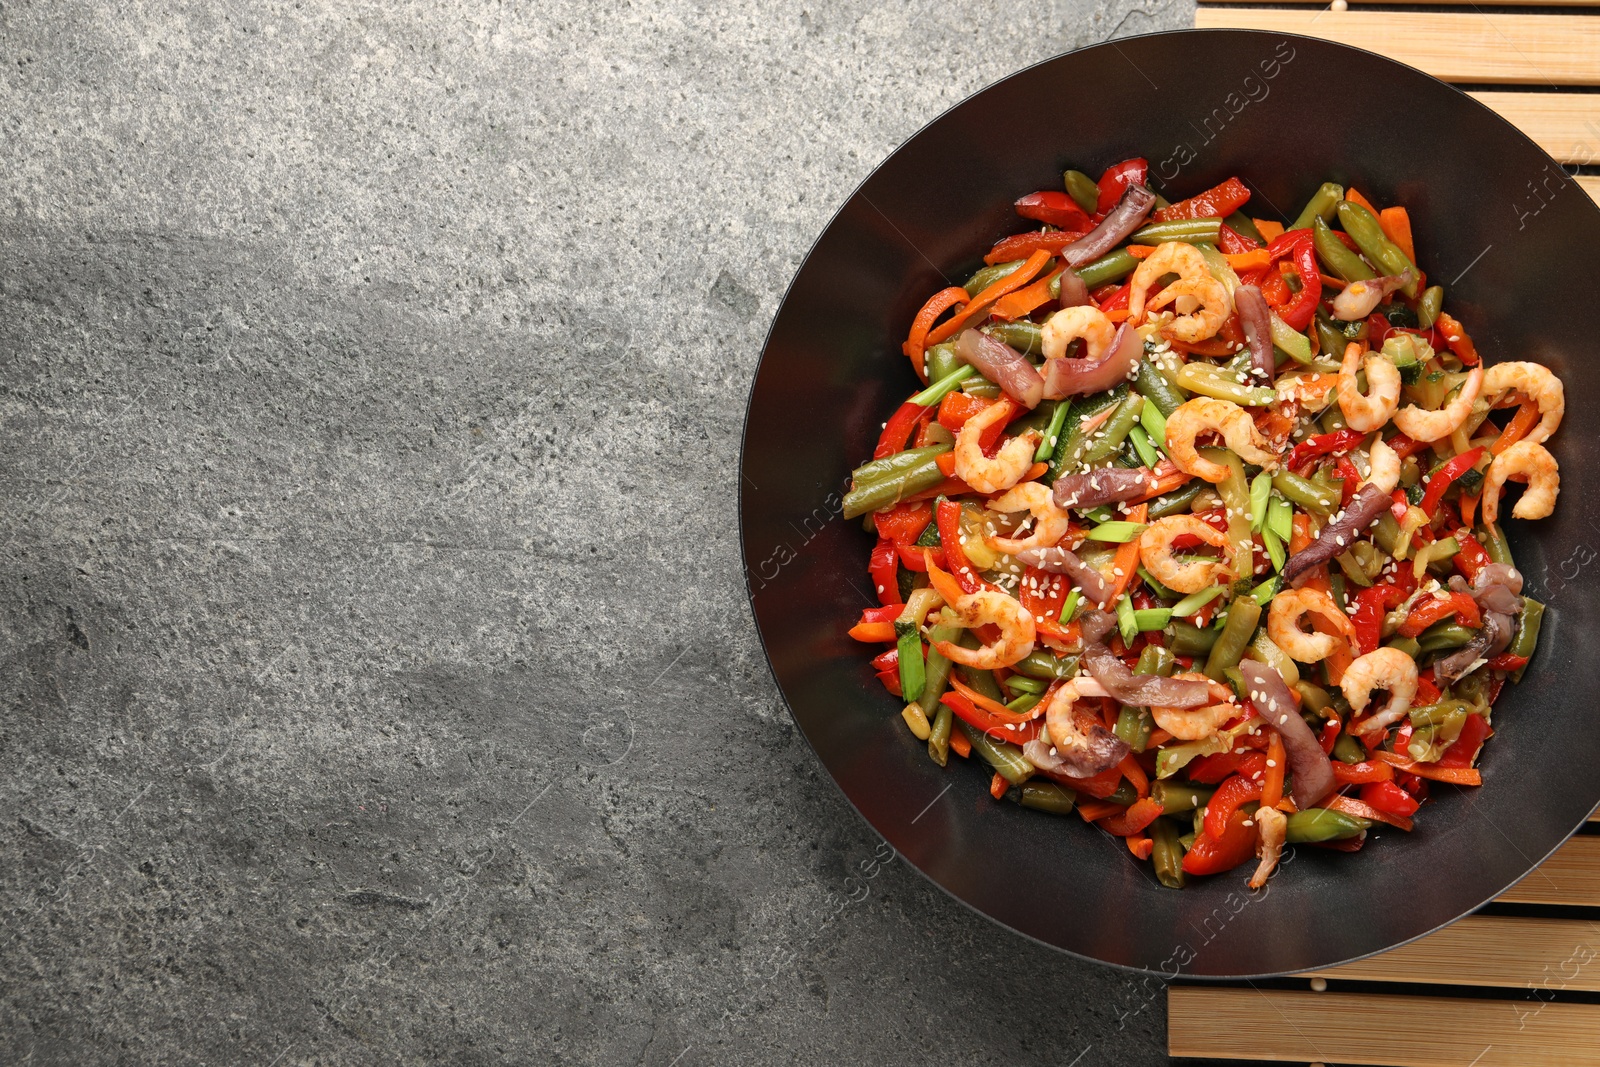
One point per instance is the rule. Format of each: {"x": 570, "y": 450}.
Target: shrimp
{"x": 1192, "y": 724}
{"x": 1283, "y": 619}
{"x": 1383, "y": 468}
{"x": 1155, "y": 552}
{"x": 1050, "y": 523}
{"x": 1420, "y": 425}
{"x": 1271, "y": 831}
{"x": 1384, "y": 668}
{"x": 1374, "y": 410}
{"x": 1070, "y": 324}
{"x": 1016, "y": 627}
{"x": 1213, "y": 304}
{"x": 1078, "y": 737}
{"x": 1537, "y": 384}
{"x": 1523, "y": 462}
{"x": 1008, "y": 465}
{"x": 1202, "y": 414}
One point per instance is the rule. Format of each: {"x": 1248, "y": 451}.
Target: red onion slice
{"x": 1002, "y": 365}
{"x": 1072, "y": 377}
{"x": 1485, "y": 644}
{"x": 1098, "y": 750}
{"x": 1105, "y": 486}
{"x": 1058, "y": 560}
{"x": 1120, "y": 221}
{"x": 1095, "y": 625}
{"x": 1141, "y": 690}
{"x": 1256, "y": 318}
{"x": 1497, "y": 587}
{"x": 1362, "y": 511}
{"x": 1313, "y": 772}
{"x": 1074, "y": 293}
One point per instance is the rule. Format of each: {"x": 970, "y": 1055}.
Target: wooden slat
{"x": 1591, "y": 185}
{"x": 1514, "y": 953}
{"x": 1453, "y": 45}
{"x": 1250, "y": 1024}
{"x": 1571, "y": 876}
{"x": 1567, "y": 125}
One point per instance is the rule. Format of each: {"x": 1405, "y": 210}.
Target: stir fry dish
{"x": 1195, "y": 525}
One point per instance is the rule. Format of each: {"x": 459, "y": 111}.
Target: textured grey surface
{"x": 378, "y": 680}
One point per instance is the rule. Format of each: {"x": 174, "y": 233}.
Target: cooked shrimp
{"x": 1155, "y": 552}
{"x": 1016, "y": 626}
{"x": 1385, "y": 668}
{"x": 1283, "y": 619}
{"x": 1078, "y": 737}
{"x": 1523, "y": 462}
{"x": 1420, "y": 425}
{"x": 1211, "y": 300}
{"x": 1535, "y": 382}
{"x": 1050, "y": 523}
{"x": 1191, "y": 724}
{"x": 1373, "y": 410}
{"x": 1008, "y": 465}
{"x": 1070, "y": 324}
{"x": 1202, "y": 414}
{"x": 1271, "y": 830}
{"x": 1384, "y": 465}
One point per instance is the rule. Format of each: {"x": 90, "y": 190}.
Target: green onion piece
{"x": 1021, "y": 683}
{"x": 1195, "y": 601}
{"x": 1260, "y": 491}
{"x": 1151, "y": 618}
{"x": 1155, "y": 423}
{"x": 911, "y": 668}
{"x": 1115, "y": 532}
{"x": 1280, "y": 517}
{"x": 1142, "y": 445}
{"x": 938, "y": 390}
{"x": 1069, "y": 607}
{"x": 1099, "y": 514}
{"x": 1126, "y": 622}
{"x": 1155, "y": 587}
{"x": 1268, "y": 589}
{"x": 1274, "y": 549}
{"x": 1052, "y": 432}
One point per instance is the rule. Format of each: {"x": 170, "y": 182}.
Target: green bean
{"x": 1024, "y": 703}
{"x": 1494, "y": 543}
{"x": 1052, "y": 431}
{"x": 1025, "y": 337}
{"x": 1109, "y": 437}
{"x": 1134, "y": 726}
{"x": 1309, "y": 495}
{"x": 1527, "y": 638}
{"x": 1154, "y": 385}
{"x": 987, "y": 276}
{"x": 1124, "y": 794}
{"x": 1347, "y": 749}
{"x": 1364, "y": 228}
{"x": 1167, "y": 855}
{"x": 1048, "y": 796}
{"x": 1241, "y": 223}
{"x": 1332, "y": 420}
{"x": 1191, "y": 640}
{"x": 1191, "y": 231}
{"x": 1321, "y": 824}
{"x": 1038, "y": 420}
{"x": 1176, "y": 502}
{"x": 1021, "y": 683}
{"x": 1434, "y": 714}
{"x": 1235, "y": 637}
{"x": 1006, "y": 760}
{"x": 1178, "y": 797}
{"x": 1155, "y": 660}
{"x": 981, "y": 387}
{"x": 887, "y": 481}
{"x": 1206, "y": 380}
{"x": 941, "y": 360}
{"x": 1323, "y": 203}
{"x": 975, "y": 677}
{"x": 1042, "y": 664}
{"x": 1329, "y": 338}
{"x": 1429, "y": 304}
{"x": 1340, "y": 261}
{"x": 1069, "y": 453}
{"x": 1442, "y": 635}
{"x": 1387, "y": 532}
{"x": 1313, "y": 696}
{"x": 1085, "y": 192}
{"x": 1408, "y": 645}
{"x": 1235, "y": 493}
{"x": 936, "y": 675}
{"x": 1110, "y": 268}
{"x": 939, "y": 736}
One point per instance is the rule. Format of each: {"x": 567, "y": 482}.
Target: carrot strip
{"x": 1469, "y": 509}
{"x": 1125, "y": 564}
{"x": 998, "y": 786}
{"x": 1360, "y": 809}
{"x": 959, "y": 744}
{"x": 1140, "y": 251}
{"x": 1117, "y": 315}
{"x": 1254, "y": 259}
{"x": 1456, "y": 336}
{"x": 1396, "y": 223}
{"x": 1094, "y": 810}
{"x": 916, "y": 342}
{"x": 1521, "y": 424}
{"x": 1268, "y": 229}
{"x": 1134, "y": 773}
{"x": 1356, "y": 198}
{"x": 1140, "y": 845}
{"x": 1024, "y": 300}
{"x": 1157, "y": 739}
{"x": 1272, "y": 782}
{"x": 981, "y": 303}
{"x": 1166, "y": 483}
{"x": 1453, "y": 775}
{"x": 991, "y": 705}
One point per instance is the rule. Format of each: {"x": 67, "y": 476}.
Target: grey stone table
{"x": 378, "y": 680}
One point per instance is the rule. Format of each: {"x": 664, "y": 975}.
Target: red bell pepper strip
{"x": 1360, "y": 809}
{"x": 1214, "y": 854}
{"x": 1209, "y": 770}
{"x": 1390, "y": 798}
{"x": 1472, "y": 558}
{"x": 1054, "y": 209}
{"x": 1429, "y": 610}
{"x": 1297, "y": 313}
{"x": 1361, "y": 773}
{"x": 1023, "y": 245}
{"x": 897, "y": 431}
{"x": 1405, "y": 447}
{"x": 1441, "y": 479}
{"x": 957, "y": 407}
{"x": 1374, "y": 602}
{"x": 904, "y": 522}
{"x": 1043, "y": 593}
{"x": 996, "y": 726}
{"x": 948, "y": 518}
{"x": 1217, "y": 202}
{"x": 1117, "y": 178}
{"x": 887, "y": 661}
{"x": 1507, "y": 661}
{"x": 1349, "y": 478}
{"x": 883, "y": 567}
{"x": 912, "y": 556}
{"x": 1231, "y": 242}
{"x": 1226, "y": 800}
{"x": 1099, "y": 786}
{"x": 1455, "y": 335}
{"x": 1118, "y": 301}
{"x": 1330, "y": 734}
{"x": 1466, "y": 745}
{"x": 1325, "y": 445}
{"x": 1427, "y": 689}
{"x": 1140, "y": 814}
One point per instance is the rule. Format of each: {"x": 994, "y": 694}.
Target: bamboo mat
{"x": 1519, "y": 983}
